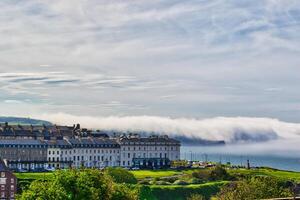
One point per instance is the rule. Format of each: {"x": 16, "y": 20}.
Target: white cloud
{"x": 139, "y": 52}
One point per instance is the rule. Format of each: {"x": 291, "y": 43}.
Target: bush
{"x": 196, "y": 197}
{"x": 202, "y": 174}
{"x": 180, "y": 182}
{"x": 144, "y": 182}
{"x": 255, "y": 188}
{"x": 170, "y": 179}
{"x": 195, "y": 181}
{"x": 219, "y": 173}
{"x": 162, "y": 183}
{"x": 120, "y": 175}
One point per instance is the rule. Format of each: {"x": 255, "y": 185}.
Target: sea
{"x": 287, "y": 161}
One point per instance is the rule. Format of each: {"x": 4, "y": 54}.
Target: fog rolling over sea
{"x": 276, "y": 154}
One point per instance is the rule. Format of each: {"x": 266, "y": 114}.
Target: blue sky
{"x": 195, "y": 59}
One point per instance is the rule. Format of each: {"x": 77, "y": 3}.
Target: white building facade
{"x": 153, "y": 151}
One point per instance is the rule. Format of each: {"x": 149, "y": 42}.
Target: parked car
{"x": 50, "y": 169}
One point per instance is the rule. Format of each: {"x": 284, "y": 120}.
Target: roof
{"x": 3, "y": 166}
{"x": 21, "y": 142}
{"x": 151, "y": 139}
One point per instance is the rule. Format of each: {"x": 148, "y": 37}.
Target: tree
{"x": 78, "y": 185}
{"x": 120, "y": 175}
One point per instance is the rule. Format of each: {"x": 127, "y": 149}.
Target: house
{"x": 8, "y": 182}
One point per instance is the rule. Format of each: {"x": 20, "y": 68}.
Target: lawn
{"x": 35, "y": 176}
{"x": 141, "y": 174}
{"x": 285, "y": 175}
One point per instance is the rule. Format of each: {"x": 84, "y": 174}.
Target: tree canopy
{"x": 78, "y": 185}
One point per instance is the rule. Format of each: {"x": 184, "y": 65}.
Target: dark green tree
{"x": 120, "y": 175}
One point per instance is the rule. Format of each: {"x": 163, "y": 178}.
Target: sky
{"x": 193, "y": 59}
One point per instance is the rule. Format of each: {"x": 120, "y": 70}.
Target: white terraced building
{"x": 148, "y": 152}
{"x": 86, "y": 152}
{"x": 98, "y": 152}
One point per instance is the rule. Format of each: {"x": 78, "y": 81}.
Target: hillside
{"x": 24, "y": 121}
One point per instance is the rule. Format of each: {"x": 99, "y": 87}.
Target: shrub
{"x": 180, "y": 182}
{"x": 162, "y": 183}
{"x": 196, "y": 197}
{"x": 219, "y": 173}
{"x": 144, "y": 182}
{"x": 195, "y": 181}
{"x": 170, "y": 179}
{"x": 255, "y": 188}
{"x": 202, "y": 174}
{"x": 120, "y": 175}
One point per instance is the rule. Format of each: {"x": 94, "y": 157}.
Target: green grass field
{"x": 141, "y": 174}
{"x": 35, "y": 176}
{"x": 285, "y": 175}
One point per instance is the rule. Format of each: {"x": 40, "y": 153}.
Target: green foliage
{"x": 182, "y": 192}
{"x": 162, "y": 183}
{"x": 123, "y": 192}
{"x": 170, "y": 179}
{"x": 180, "y": 182}
{"x": 39, "y": 190}
{"x": 219, "y": 173}
{"x": 78, "y": 185}
{"x": 254, "y": 188}
{"x": 196, "y": 197}
{"x": 121, "y": 175}
{"x": 146, "y": 193}
{"x": 202, "y": 174}
{"x": 195, "y": 181}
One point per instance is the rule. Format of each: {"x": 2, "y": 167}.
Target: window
{"x": 12, "y": 187}
{"x": 128, "y": 163}
{"x": 123, "y": 163}
{"x": 2, "y": 174}
{"x": 2, "y": 194}
{"x": 2, "y": 187}
{"x": 12, "y": 180}
{"x": 128, "y": 155}
{"x": 12, "y": 195}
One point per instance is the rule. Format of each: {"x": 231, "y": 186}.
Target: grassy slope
{"x": 286, "y": 175}
{"x": 180, "y": 192}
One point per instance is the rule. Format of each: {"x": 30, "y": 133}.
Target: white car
{"x": 50, "y": 169}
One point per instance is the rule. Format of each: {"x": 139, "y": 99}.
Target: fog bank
{"x": 229, "y": 129}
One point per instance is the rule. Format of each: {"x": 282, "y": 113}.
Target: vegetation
{"x": 23, "y": 121}
{"x": 78, "y": 185}
{"x": 192, "y": 184}
{"x": 255, "y": 188}
{"x": 121, "y": 175}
